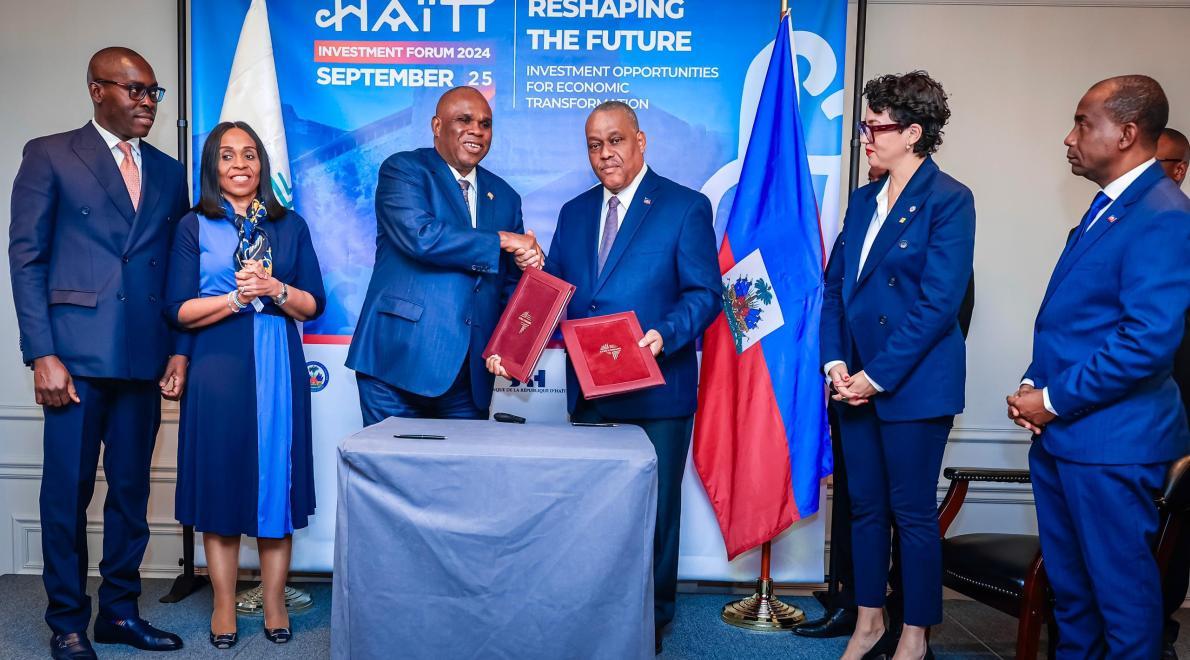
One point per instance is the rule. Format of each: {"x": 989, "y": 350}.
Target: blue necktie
{"x": 1098, "y": 204}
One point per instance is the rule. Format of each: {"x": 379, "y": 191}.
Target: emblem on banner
{"x": 526, "y": 320}
{"x": 612, "y": 350}
{"x": 319, "y": 376}
{"x": 749, "y": 302}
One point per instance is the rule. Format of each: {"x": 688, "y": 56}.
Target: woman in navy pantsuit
{"x": 242, "y": 271}
{"x": 893, "y": 351}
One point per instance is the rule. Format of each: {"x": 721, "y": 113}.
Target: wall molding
{"x": 31, "y": 469}
{"x": 32, "y": 413}
{"x": 26, "y": 529}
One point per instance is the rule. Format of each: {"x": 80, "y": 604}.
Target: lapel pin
{"x": 901, "y": 221}
{"x": 648, "y": 202}
{"x": 1111, "y": 218}
{"x": 491, "y": 196}
{"x": 912, "y": 209}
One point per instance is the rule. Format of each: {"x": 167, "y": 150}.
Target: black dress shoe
{"x": 836, "y": 623}
{"x": 278, "y": 635}
{"x": 71, "y": 646}
{"x": 224, "y": 641}
{"x": 137, "y": 633}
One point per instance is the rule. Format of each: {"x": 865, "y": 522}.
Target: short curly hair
{"x": 912, "y": 98}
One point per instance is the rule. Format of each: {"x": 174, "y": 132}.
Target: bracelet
{"x": 233, "y": 301}
{"x": 283, "y": 297}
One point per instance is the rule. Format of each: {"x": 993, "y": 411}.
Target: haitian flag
{"x": 761, "y": 444}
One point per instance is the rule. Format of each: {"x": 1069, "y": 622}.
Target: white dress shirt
{"x": 472, "y": 192}
{"x": 874, "y": 226}
{"x": 1113, "y": 190}
{"x": 112, "y": 145}
{"x": 625, "y": 196}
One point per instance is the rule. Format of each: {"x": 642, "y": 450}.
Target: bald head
{"x": 1173, "y": 152}
{"x": 114, "y": 76}
{"x": 462, "y": 126}
{"x": 112, "y": 61}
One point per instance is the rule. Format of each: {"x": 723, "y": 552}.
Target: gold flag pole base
{"x": 251, "y": 601}
{"x": 762, "y": 611}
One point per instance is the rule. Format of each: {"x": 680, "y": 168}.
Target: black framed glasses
{"x": 137, "y": 91}
{"x": 867, "y": 131}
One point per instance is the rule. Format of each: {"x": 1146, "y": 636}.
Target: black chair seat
{"x": 980, "y": 565}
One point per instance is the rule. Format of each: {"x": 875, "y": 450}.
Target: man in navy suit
{"x": 93, "y": 215}
{"x": 643, "y": 243}
{"x": 1106, "y": 415}
{"x": 450, "y": 243}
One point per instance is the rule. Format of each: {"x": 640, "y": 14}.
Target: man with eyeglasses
{"x": 93, "y": 214}
{"x": 1173, "y": 154}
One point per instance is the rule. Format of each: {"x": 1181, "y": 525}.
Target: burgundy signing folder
{"x": 528, "y": 321}
{"x": 606, "y": 356}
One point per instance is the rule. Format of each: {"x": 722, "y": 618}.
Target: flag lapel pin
{"x": 902, "y": 221}
{"x": 648, "y": 202}
{"x": 491, "y": 196}
{"x": 1111, "y": 218}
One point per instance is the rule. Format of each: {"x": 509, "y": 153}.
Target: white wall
{"x": 1014, "y": 72}
{"x": 44, "y": 48}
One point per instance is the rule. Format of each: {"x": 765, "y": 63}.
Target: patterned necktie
{"x": 465, "y": 187}
{"x": 130, "y": 173}
{"x": 611, "y": 225}
{"x": 1098, "y": 204}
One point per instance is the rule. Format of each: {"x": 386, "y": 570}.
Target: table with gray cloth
{"x": 501, "y": 541}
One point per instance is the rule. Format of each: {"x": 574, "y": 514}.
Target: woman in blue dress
{"x": 243, "y": 272}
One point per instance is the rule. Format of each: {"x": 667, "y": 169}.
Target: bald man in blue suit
{"x": 1106, "y": 414}
{"x": 450, "y": 243}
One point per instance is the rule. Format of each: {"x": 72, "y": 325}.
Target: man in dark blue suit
{"x": 1099, "y": 397}
{"x": 450, "y": 243}
{"x": 640, "y": 242}
{"x": 93, "y": 215}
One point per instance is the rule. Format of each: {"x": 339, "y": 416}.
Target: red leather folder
{"x": 606, "y": 357}
{"x": 528, "y": 321}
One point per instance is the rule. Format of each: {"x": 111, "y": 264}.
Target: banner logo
{"x": 319, "y": 376}
{"x": 537, "y": 380}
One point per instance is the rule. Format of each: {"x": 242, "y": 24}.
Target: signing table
{"x": 499, "y": 541}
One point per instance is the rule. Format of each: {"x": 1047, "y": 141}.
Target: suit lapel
{"x": 853, "y": 241}
{"x": 642, "y": 203}
{"x": 485, "y": 200}
{"x": 1112, "y": 216}
{"x": 900, "y": 216}
{"x": 441, "y": 174}
{"x": 93, "y": 151}
{"x": 152, "y": 181}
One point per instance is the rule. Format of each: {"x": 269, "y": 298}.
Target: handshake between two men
{"x": 524, "y": 248}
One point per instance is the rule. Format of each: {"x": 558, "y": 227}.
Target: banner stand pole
{"x": 762, "y": 611}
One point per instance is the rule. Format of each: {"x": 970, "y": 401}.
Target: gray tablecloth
{"x": 502, "y": 541}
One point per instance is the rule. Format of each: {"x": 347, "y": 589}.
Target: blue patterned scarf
{"x": 253, "y": 243}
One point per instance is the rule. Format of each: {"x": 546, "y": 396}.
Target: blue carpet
{"x": 969, "y": 630}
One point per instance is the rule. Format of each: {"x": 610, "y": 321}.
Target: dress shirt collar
{"x": 471, "y": 178}
{"x": 882, "y": 200}
{"x": 111, "y": 139}
{"x": 627, "y": 193}
{"x": 1117, "y": 187}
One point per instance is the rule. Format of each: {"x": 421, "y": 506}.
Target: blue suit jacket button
{"x": 125, "y": 259}
{"x": 152, "y": 299}
{"x": 153, "y": 263}
{"x": 592, "y": 308}
{"x": 903, "y": 244}
{"x": 86, "y": 210}
{"x": 892, "y": 281}
{"x": 120, "y": 296}
{"x": 468, "y": 321}
{"x": 883, "y": 319}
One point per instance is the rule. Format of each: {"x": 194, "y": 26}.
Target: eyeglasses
{"x": 867, "y": 130}
{"x": 137, "y": 91}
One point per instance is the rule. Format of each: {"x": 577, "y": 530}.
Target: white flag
{"x": 253, "y": 97}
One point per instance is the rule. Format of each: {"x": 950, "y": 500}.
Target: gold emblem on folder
{"x": 526, "y": 320}
{"x": 611, "y": 349}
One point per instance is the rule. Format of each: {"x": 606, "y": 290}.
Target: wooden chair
{"x": 1006, "y": 571}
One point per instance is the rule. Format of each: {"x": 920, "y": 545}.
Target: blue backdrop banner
{"x": 336, "y": 86}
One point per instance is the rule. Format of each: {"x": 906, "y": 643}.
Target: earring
{"x": 907, "y": 147}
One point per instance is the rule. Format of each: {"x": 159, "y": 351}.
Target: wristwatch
{"x": 283, "y": 297}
